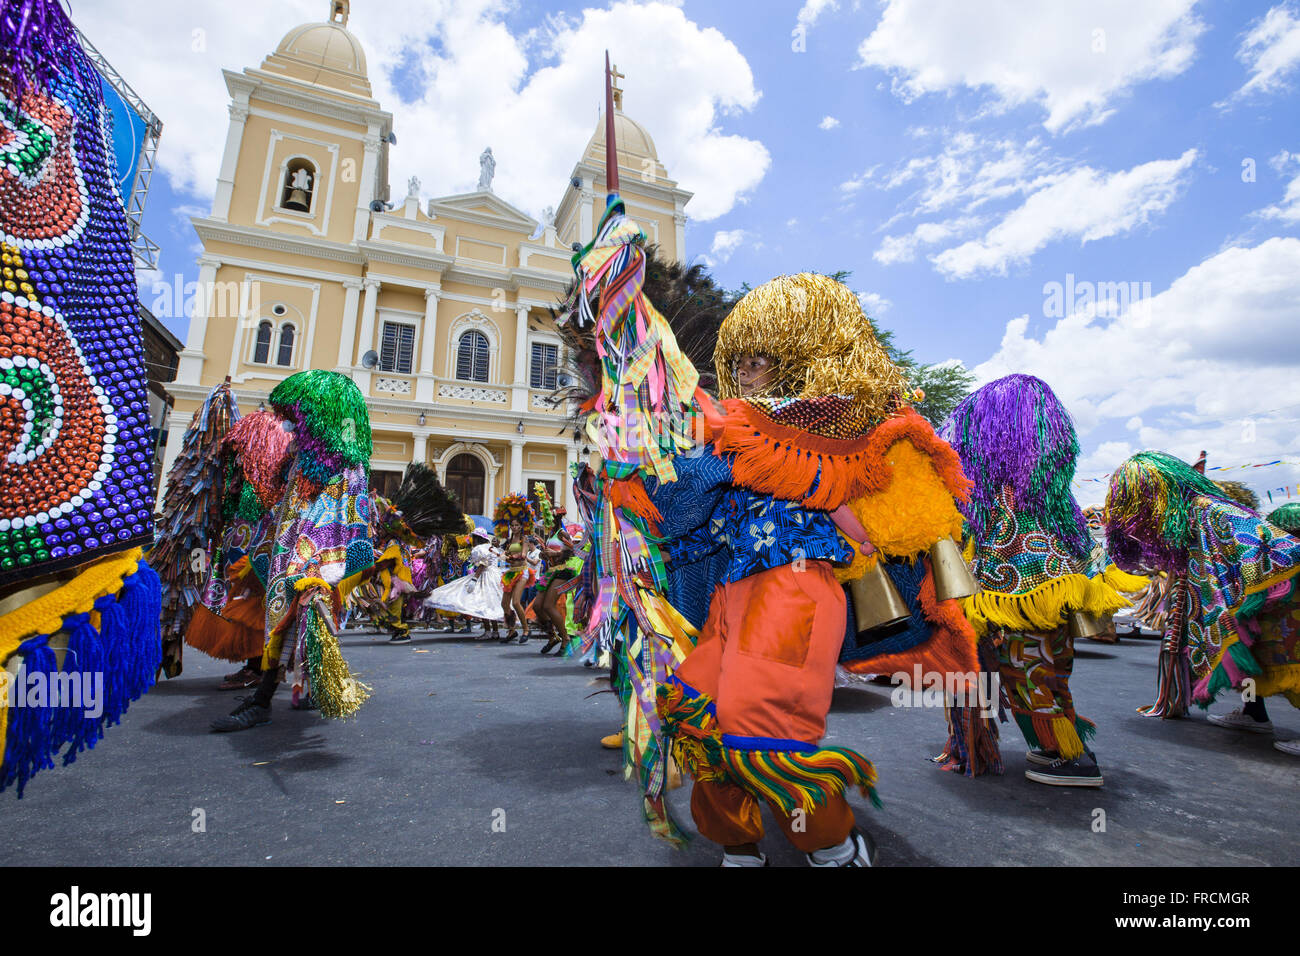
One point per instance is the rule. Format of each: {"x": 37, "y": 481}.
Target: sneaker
{"x": 1240, "y": 720}
{"x": 1041, "y": 758}
{"x": 1079, "y": 772}
{"x": 248, "y": 714}
{"x": 1291, "y": 747}
{"x": 864, "y": 852}
{"x": 241, "y": 680}
{"x": 613, "y": 742}
{"x": 400, "y": 639}
{"x": 743, "y": 859}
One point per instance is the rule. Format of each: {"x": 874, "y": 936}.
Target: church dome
{"x": 634, "y": 145}
{"x": 325, "y": 54}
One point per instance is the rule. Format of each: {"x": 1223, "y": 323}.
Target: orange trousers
{"x": 766, "y": 656}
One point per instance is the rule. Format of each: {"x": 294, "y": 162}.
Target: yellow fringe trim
{"x": 1045, "y": 607}
{"x": 45, "y": 614}
{"x": 1123, "y": 582}
{"x": 1068, "y": 744}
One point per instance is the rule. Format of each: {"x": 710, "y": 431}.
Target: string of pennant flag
{"x": 1252, "y": 464}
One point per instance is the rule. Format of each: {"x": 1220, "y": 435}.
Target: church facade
{"x": 439, "y": 309}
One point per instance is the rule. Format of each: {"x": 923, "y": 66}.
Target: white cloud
{"x": 828, "y": 122}
{"x": 1083, "y": 204}
{"x": 873, "y": 303}
{"x": 1288, "y": 210}
{"x": 812, "y": 10}
{"x": 1173, "y": 370}
{"x": 726, "y": 242}
{"x": 1073, "y": 59}
{"x": 536, "y": 105}
{"x": 1270, "y": 51}
{"x": 902, "y": 248}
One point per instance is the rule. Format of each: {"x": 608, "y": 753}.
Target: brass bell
{"x": 876, "y": 602}
{"x": 952, "y": 578}
{"x": 1083, "y": 624}
{"x": 297, "y": 200}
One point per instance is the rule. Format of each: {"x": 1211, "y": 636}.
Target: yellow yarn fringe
{"x": 1280, "y": 679}
{"x": 909, "y": 516}
{"x": 1068, "y": 744}
{"x": 45, "y": 614}
{"x": 1123, "y": 582}
{"x": 1045, "y": 607}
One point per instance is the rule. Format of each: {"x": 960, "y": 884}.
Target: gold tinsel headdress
{"x": 815, "y": 332}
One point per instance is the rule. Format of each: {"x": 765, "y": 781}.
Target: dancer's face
{"x": 755, "y": 374}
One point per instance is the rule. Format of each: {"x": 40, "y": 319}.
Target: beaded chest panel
{"x": 76, "y": 478}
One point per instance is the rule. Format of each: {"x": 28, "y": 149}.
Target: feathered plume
{"x": 427, "y": 506}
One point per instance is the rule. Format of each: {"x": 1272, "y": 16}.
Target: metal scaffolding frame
{"x": 145, "y": 249}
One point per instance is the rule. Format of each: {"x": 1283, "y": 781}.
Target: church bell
{"x": 297, "y": 200}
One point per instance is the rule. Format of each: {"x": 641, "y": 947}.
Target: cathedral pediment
{"x": 485, "y": 208}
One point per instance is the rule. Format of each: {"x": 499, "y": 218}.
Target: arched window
{"x": 285, "y": 354}
{"x": 299, "y": 185}
{"x": 467, "y": 480}
{"x": 472, "y": 357}
{"x": 262, "y": 350}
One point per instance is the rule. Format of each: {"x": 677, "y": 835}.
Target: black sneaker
{"x": 865, "y": 852}
{"x": 1041, "y": 758}
{"x": 248, "y": 714}
{"x": 400, "y": 639}
{"x": 1080, "y": 772}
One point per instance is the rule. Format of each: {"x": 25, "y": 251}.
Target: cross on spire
{"x": 615, "y": 76}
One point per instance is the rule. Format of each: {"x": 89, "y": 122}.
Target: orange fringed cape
{"x": 239, "y": 631}
{"x": 900, "y": 479}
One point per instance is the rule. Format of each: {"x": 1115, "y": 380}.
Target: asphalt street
{"x": 483, "y": 754}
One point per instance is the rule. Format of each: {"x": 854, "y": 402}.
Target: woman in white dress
{"x": 478, "y": 593}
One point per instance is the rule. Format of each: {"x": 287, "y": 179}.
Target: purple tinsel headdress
{"x": 37, "y": 43}
{"x": 1015, "y": 432}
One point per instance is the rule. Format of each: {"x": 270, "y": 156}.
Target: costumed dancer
{"x": 419, "y": 508}
{"x": 477, "y": 593}
{"x": 1234, "y": 615}
{"x": 319, "y": 547}
{"x": 1030, "y": 549}
{"x": 79, "y": 607}
{"x": 812, "y": 401}
{"x": 229, "y": 623}
{"x": 514, "y": 520}
{"x": 191, "y": 519}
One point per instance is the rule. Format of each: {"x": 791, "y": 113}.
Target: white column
{"x": 366, "y": 340}
{"x": 369, "y": 166}
{"x": 428, "y": 339}
{"x": 421, "y": 447}
{"x": 585, "y": 212}
{"x": 519, "y": 390}
{"x": 176, "y": 425}
{"x": 516, "y": 465}
{"x": 348, "y": 340}
{"x": 679, "y": 229}
{"x": 570, "y": 458}
{"x": 190, "y": 366}
{"x": 230, "y": 158}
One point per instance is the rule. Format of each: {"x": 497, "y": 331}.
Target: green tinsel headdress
{"x": 1286, "y": 517}
{"x": 1149, "y": 510}
{"x": 330, "y": 419}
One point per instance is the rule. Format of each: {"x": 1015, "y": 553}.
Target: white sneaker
{"x": 1239, "y": 720}
{"x": 743, "y": 859}
{"x": 864, "y": 852}
{"x": 1291, "y": 747}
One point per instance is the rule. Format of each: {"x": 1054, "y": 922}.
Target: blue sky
{"x": 971, "y": 156}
